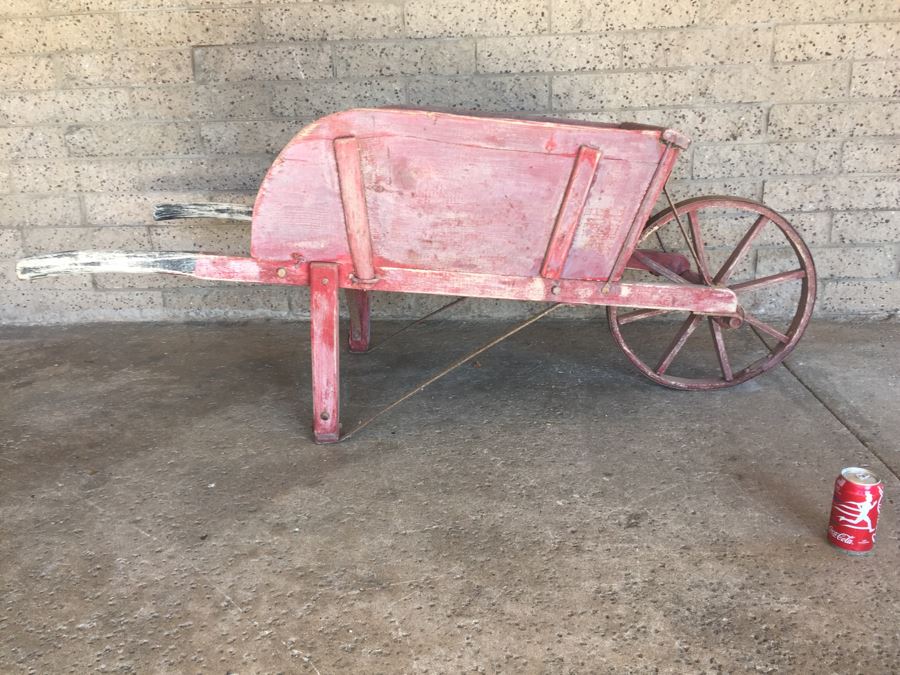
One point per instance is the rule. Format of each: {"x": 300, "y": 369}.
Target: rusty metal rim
{"x": 798, "y": 323}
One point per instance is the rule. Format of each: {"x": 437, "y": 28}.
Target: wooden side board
{"x": 461, "y": 193}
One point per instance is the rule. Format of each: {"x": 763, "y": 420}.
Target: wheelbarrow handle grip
{"x": 196, "y": 265}
{"x": 128, "y": 262}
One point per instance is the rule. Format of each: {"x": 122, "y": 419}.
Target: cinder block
{"x": 822, "y": 42}
{"x": 625, "y": 90}
{"x": 701, "y": 47}
{"x": 243, "y": 301}
{"x": 876, "y": 80}
{"x": 53, "y": 239}
{"x": 833, "y": 120}
{"x": 872, "y": 156}
{"x": 814, "y": 228}
{"x": 459, "y": 18}
{"x": 137, "y": 209}
{"x": 866, "y": 227}
{"x": 210, "y": 101}
{"x": 797, "y": 82}
{"x": 15, "y": 8}
{"x": 761, "y": 159}
{"x": 724, "y": 229}
{"x": 67, "y": 106}
{"x": 339, "y": 21}
{"x": 31, "y": 143}
{"x": 11, "y": 243}
{"x": 26, "y": 72}
{"x": 133, "y": 140}
{"x": 862, "y": 296}
{"x": 415, "y": 57}
{"x": 736, "y": 84}
{"x": 27, "y": 211}
{"x": 839, "y": 193}
{"x": 179, "y": 28}
{"x": 229, "y": 138}
{"x": 57, "y": 175}
{"x": 528, "y": 93}
{"x": 251, "y": 63}
{"x": 80, "y": 6}
{"x": 58, "y": 33}
{"x": 557, "y": 53}
{"x": 592, "y": 16}
{"x": 225, "y": 238}
{"x": 217, "y": 173}
{"x": 737, "y": 187}
{"x": 735, "y": 123}
{"x": 865, "y": 262}
{"x": 129, "y": 68}
{"x": 313, "y": 99}
{"x": 46, "y": 306}
{"x": 797, "y": 11}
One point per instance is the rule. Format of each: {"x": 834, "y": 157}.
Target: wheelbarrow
{"x": 483, "y": 206}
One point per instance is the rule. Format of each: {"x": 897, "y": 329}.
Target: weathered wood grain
{"x": 202, "y": 210}
{"x": 570, "y": 211}
{"x": 323, "y": 316}
{"x": 353, "y": 201}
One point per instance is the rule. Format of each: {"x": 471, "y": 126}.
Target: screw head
{"x": 281, "y": 272}
{"x": 325, "y": 281}
{"x": 555, "y": 290}
{"x": 325, "y": 416}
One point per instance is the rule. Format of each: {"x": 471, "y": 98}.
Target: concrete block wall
{"x": 110, "y": 106}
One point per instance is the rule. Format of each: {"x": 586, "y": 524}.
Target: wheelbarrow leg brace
{"x": 360, "y": 330}
{"x": 324, "y": 287}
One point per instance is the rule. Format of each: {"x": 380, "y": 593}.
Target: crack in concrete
{"x": 853, "y": 431}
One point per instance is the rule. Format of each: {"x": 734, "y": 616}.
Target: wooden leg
{"x": 323, "y": 310}
{"x": 360, "y": 331}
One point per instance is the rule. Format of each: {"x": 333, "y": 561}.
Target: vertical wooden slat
{"x": 353, "y": 200}
{"x": 574, "y": 199}
{"x": 323, "y": 309}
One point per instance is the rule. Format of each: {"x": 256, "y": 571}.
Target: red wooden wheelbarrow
{"x": 492, "y": 207}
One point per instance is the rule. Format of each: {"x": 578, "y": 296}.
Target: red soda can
{"x": 854, "y": 510}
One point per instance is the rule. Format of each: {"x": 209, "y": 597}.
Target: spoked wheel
{"x": 735, "y": 243}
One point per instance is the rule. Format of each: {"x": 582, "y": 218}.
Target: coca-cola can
{"x": 854, "y": 511}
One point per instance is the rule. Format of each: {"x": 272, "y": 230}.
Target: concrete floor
{"x": 162, "y": 508}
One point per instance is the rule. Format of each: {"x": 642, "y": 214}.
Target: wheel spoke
{"x": 766, "y": 328}
{"x": 699, "y": 247}
{"x": 741, "y": 249}
{"x": 640, "y": 314}
{"x": 684, "y": 332}
{"x": 719, "y": 342}
{"x": 770, "y": 280}
{"x": 654, "y": 266}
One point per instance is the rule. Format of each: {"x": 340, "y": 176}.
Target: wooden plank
{"x": 660, "y": 176}
{"x": 501, "y": 132}
{"x": 203, "y": 210}
{"x": 684, "y": 296}
{"x": 196, "y": 265}
{"x": 687, "y": 297}
{"x": 468, "y": 193}
{"x": 360, "y": 320}
{"x": 353, "y": 200}
{"x": 323, "y": 329}
{"x": 570, "y": 211}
